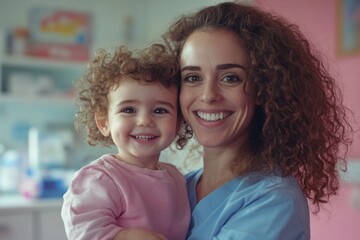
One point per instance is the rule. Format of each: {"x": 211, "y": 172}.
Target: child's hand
{"x": 138, "y": 234}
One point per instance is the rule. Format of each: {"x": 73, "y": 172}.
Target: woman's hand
{"x": 138, "y": 234}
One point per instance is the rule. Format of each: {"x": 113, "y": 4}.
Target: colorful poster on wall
{"x": 59, "y": 34}
{"x": 348, "y": 27}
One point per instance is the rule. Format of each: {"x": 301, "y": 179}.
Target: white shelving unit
{"x": 61, "y": 74}
{"x": 36, "y": 92}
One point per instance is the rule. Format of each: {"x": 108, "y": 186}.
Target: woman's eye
{"x": 160, "y": 111}
{"x": 231, "y": 79}
{"x": 128, "y": 110}
{"x": 191, "y": 79}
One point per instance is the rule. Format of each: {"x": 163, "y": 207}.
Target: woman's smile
{"x": 212, "y": 117}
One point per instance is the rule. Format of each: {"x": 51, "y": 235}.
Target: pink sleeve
{"x": 91, "y": 205}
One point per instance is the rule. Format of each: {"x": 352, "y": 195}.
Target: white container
{"x": 3, "y": 38}
{"x": 10, "y": 171}
{"x": 20, "y": 40}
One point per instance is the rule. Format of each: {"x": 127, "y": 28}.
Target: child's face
{"x": 141, "y": 120}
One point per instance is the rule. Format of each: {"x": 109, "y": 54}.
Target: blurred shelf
{"x": 59, "y": 76}
{"x": 38, "y": 100}
{"x": 30, "y": 61}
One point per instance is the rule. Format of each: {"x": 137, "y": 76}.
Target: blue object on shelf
{"x": 52, "y": 187}
{"x": 38, "y": 184}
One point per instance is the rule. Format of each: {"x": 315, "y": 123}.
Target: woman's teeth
{"x": 212, "y": 116}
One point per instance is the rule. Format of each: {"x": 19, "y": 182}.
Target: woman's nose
{"x": 210, "y": 92}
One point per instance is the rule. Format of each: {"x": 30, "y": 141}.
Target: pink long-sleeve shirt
{"x": 109, "y": 195}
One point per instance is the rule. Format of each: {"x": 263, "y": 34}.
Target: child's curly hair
{"x": 106, "y": 71}
{"x": 301, "y": 125}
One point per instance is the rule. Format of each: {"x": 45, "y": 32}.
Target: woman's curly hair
{"x": 106, "y": 71}
{"x": 301, "y": 124}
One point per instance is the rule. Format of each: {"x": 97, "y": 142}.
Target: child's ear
{"x": 103, "y": 124}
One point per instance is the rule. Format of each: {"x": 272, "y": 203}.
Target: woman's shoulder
{"x": 272, "y": 182}
{"x": 272, "y": 188}
{"x": 279, "y": 201}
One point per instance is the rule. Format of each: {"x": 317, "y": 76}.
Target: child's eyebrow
{"x": 126, "y": 102}
{"x": 156, "y": 102}
{"x": 167, "y": 104}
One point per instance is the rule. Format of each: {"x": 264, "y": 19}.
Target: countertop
{"x": 18, "y": 202}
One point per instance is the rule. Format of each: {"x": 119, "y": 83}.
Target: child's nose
{"x": 146, "y": 120}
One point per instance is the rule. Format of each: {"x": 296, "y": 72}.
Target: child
{"x": 129, "y": 99}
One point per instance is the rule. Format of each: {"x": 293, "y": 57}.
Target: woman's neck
{"x": 217, "y": 171}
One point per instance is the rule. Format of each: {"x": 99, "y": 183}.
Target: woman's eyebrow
{"x": 219, "y": 67}
{"x": 190, "y": 68}
{"x": 230, "y": 65}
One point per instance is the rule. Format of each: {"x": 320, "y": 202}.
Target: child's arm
{"x": 91, "y": 206}
{"x": 138, "y": 234}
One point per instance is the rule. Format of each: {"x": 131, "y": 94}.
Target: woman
{"x": 269, "y": 117}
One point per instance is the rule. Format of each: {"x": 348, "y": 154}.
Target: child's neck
{"x": 147, "y": 162}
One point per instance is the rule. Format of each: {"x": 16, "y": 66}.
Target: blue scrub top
{"x": 255, "y": 206}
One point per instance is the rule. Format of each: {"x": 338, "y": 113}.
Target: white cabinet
{"x": 51, "y": 225}
{"x": 30, "y": 219}
{"x": 16, "y": 226}
{"x": 28, "y": 77}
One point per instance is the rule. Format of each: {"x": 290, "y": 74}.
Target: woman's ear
{"x": 103, "y": 124}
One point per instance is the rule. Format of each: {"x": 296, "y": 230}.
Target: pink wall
{"x": 317, "y": 19}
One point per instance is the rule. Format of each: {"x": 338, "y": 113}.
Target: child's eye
{"x": 128, "y": 110}
{"x": 160, "y": 111}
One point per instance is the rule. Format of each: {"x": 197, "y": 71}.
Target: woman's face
{"x": 213, "y": 99}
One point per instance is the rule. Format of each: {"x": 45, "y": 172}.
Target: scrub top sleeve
{"x": 273, "y": 216}
{"x": 91, "y": 206}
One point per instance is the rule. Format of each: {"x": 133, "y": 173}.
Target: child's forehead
{"x": 145, "y": 80}
{"x": 137, "y": 83}
{"x": 147, "y": 93}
